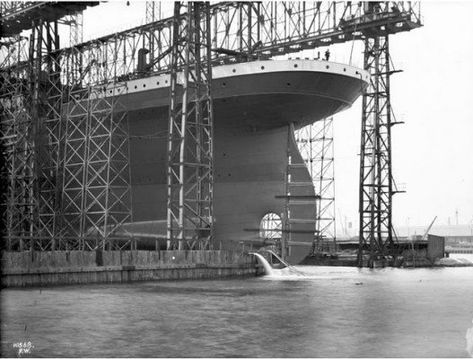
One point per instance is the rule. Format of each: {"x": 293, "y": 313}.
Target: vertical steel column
{"x": 190, "y": 142}
{"x": 153, "y": 13}
{"x": 316, "y": 146}
{"x": 15, "y": 124}
{"x": 326, "y": 226}
{"x": 376, "y": 183}
{"x": 288, "y": 181}
{"x": 49, "y": 137}
{"x": 76, "y": 32}
{"x": 74, "y": 162}
{"x": 38, "y": 175}
{"x": 47, "y": 104}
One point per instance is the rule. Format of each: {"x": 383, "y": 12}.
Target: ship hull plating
{"x": 254, "y": 105}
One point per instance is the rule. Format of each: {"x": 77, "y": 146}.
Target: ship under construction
{"x": 88, "y": 130}
{"x": 257, "y": 105}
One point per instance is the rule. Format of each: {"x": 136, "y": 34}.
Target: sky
{"x": 432, "y": 152}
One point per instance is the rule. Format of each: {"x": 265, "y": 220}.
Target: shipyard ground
{"x": 349, "y": 258}
{"x": 35, "y": 268}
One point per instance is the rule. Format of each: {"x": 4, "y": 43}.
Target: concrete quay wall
{"x": 33, "y": 268}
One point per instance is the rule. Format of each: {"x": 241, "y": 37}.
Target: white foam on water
{"x": 288, "y": 272}
{"x": 313, "y": 273}
{"x": 469, "y": 341}
{"x": 304, "y": 272}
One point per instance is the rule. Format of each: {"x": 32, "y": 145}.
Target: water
{"x": 264, "y": 262}
{"x": 288, "y": 272}
{"x": 326, "y": 312}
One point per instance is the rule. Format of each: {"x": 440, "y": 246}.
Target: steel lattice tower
{"x": 30, "y": 113}
{"x": 316, "y": 145}
{"x": 77, "y": 29}
{"x": 153, "y": 13}
{"x": 47, "y": 104}
{"x": 190, "y": 143}
{"x": 19, "y": 203}
{"x": 376, "y": 181}
{"x": 96, "y": 192}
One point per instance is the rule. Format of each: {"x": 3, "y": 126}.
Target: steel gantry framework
{"x": 83, "y": 86}
{"x": 190, "y": 143}
{"x": 67, "y": 156}
{"x": 241, "y": 31}
{"x": 31, "y": 102}
{"x": 153, "y": 11}
{"x": 316, "y": 145}
{"x": 152, "y": 14}
{"x": 96, "y": 193}
{"x": 18, "y": 200}
{"x": 76, "y": 23}
{"x": 377, "y": 185}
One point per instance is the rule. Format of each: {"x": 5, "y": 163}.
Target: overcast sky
{"x": 433, "y": 151}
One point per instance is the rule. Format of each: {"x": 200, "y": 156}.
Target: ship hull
{"x": 254, "y": 105}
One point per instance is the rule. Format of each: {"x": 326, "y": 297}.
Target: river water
{"x": 323, "y": 312}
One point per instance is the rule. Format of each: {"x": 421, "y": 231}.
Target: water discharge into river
{"x": 314, "y": 312}
{"x": 286, "y": 273}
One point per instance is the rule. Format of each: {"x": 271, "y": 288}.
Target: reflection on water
{"x": 327, "y": 312}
